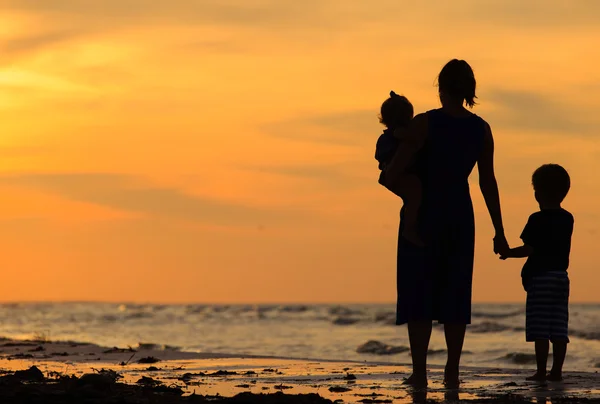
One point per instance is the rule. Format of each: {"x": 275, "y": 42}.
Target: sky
{"x": 222, "y": 150}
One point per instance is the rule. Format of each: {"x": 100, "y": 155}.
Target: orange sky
{"x": 222, "y": 151}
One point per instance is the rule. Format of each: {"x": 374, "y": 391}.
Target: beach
{"x": 65, "y": 372}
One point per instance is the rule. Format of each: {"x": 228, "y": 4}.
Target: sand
{"x": 153, "y": 375}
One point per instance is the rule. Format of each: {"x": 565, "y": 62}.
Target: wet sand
{"x": 86, "y": 373}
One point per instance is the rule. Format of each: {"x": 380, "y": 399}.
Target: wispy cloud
{"x": 282, "y": 13}
{"x": 111, "y": 13}
{"x": 534, "y": 14}
{"x": 532, "y": 111}
{"x": 133, "y": 194}
{"x": 24, "y": 45}
{"x": 331, "y": 177}
{"x": 341, "y": 128}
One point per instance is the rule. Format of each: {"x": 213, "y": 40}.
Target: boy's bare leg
{"x": 410, "y": 188}
{"x": 559, "y": 351}
{"x": 542, "y": 347}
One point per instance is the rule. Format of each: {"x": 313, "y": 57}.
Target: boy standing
{"x": 547, "y": 244}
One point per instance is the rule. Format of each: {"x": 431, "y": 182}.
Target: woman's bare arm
{"x": 489, "y": 189}
{"x": 412, "y": 139}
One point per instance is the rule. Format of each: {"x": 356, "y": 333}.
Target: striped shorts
{"x": 547, "y": 308}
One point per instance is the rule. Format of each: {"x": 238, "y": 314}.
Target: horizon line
{"x": 317, "y": 303}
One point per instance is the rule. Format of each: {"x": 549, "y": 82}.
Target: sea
{"x": 361, "y": 332}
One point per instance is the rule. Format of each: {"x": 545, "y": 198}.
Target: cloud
{"x": 342, "y": 128}
{"x": 335, "y": 177}
{"x": 131, "y": 194}
{"x": 536, "y": 112}
{"x": 24, "y": 45}
{"x": 283, "y": 13}
{"x": 309, "y": 21}
{"x": 535, "y": 14}
{"x": 260, "y": 14}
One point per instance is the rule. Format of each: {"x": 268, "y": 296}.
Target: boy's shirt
{"x": 548, "y": 232}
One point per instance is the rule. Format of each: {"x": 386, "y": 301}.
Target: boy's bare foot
{"x": 418, "y": 382}
{"x": 537, "y": 377}
{"x": 554, "y": 377}
{"x": 412, "y": 237}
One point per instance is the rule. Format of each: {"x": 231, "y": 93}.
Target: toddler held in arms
{"x": 396, "y": 113}
{"x": 547, "y": 245}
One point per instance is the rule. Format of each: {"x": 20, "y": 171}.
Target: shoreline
{"x": 189, "y": 376}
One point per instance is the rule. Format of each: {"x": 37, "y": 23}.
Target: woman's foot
{"x": 554, "y": 377}
{"x": 537, "y": 377}
{"x": 412, "y": 237}
{"x": 452, "y": 384}
{"x": 417, "y": 382}
{"x": 451, "y": 380}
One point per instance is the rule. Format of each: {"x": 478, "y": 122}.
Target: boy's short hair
{"x": 396, "y": 111}
{"x": 551, "y": 182}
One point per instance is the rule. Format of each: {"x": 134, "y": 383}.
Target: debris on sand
{"x": 148, "y": 360}
{"x": 33, "y": 374}
{"x": 119, "y": 350}
{"x": 339, "y": 389}
{"x": 30, "y": 386}
{"x": 222, "y": 373}
{"x": 148, "y": 381}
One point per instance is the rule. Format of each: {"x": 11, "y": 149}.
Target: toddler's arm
{"x": 517, "y": 252}
{"x": 412, "y": 139}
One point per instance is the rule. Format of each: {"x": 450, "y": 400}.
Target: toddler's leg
{"x": 410, "y": 189}
{"x": 559, "y": 351}
{"x": 542, "y": 346}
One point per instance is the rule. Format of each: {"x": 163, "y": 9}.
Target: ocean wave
{"x": 344, "y": 311}
{"x": 519, "y": 358}
{"x": 293, "y": 309}
{"x": 386, "y": 317}
{"x": 195, "y": 309}
{"x": 589, "y": 335}
{"x": 489, "y": 326}
{"x": 486, "y": 314}
{"x": 379, "y": 348}
{"x": 345, "y": 321}
{"x": 139, "y": 315}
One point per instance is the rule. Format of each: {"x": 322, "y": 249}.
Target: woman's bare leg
{"x": 419, "y": 333}
{"x": 455, "y": 337}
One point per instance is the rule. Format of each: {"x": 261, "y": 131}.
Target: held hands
{"x": 501, "y": 246}
{"x": 505, "y": 256}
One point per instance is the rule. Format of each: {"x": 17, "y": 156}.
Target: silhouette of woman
{"x": 434, "y": 281}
